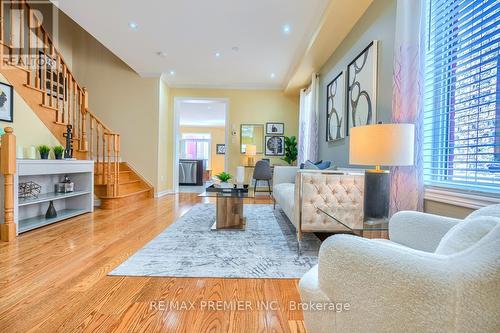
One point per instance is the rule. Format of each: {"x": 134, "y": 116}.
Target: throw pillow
{"x": 465, "y": 234}
{"x": 308, "y": 165}
{"x": 324, "y": 165}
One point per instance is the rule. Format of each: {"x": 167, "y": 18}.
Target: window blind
{"x": 462, "y": 95}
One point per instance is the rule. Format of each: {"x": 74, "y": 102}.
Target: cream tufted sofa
{"x": 300, "y": 192}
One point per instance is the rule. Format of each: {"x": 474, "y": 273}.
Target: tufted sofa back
{"x": 341, "y": 193}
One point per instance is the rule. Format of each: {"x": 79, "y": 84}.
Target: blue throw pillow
{"x": 324, "y": 165}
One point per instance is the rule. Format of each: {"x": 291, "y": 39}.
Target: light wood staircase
{"x": 31, "y": 62}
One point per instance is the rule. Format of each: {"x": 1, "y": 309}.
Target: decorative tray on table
{"x": 235, "y": 190}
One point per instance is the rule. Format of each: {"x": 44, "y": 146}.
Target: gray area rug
{"x": 267, "y": 248}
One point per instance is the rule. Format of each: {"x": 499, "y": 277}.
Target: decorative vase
{"x": 44, "y": 156}
{"x": 58, "y": 156}
{"x": 51, "y": 211}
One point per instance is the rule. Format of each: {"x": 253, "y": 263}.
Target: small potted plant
{"x": 224, "y": 177}
{"x": 58, "y": 152}
{"x": 44, "y": 151}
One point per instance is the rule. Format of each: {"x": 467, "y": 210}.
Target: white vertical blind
{"x": 462, "y": 95}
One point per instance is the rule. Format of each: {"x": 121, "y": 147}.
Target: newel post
{"x": 8, "y": 170}
{"x": 84, "y": 109}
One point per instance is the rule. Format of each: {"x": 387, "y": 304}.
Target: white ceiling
{"x": 201, "y": 113}
{"x": 190, "y": 32}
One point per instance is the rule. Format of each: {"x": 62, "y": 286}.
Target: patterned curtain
{"x": 407, "y": 185}
{"x": 309, "y": 122}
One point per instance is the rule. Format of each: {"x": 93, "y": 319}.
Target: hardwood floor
{"x": 54, "y": 279}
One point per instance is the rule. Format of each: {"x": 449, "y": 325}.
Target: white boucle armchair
{"x": 435, "y": 274}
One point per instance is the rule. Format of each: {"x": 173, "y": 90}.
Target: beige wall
{"x": 28, "y": 128}
{"x": 245, "y": 107}
{"x": 218, "y": 135}
{"x": 132, "y": 106}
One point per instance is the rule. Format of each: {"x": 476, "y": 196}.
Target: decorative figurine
{"x": 65, "y": 186}
{"x": 29, "y": 190}
{"x": 68, "y": 152}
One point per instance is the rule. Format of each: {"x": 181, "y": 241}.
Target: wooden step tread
{"x": 128, "y": 194}
{"x": 34, "y": 88}
{"x": 129, "y": 182}
{"x": 112, "y": 173}
{"x": 49, "y": 107}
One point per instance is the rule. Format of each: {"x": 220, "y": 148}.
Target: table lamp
{"x": 380, "y": 145}
{"x": 250, "y": 152}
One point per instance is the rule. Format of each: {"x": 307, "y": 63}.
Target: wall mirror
{"x": 252, "y": 134}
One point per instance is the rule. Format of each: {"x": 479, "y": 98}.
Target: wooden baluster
{"x": 51, "y": 90}
{"x": 8, "y": 169}
{"x": 11, "y": 27}
{"x": 68, "y": 97}
{"x": 108, "y": 165}
{"x": 104, "y": 178}
{"x": 21, "y": 33}
{"x": 30, "y": 25}
{"x": 83, "y": 110}
{"x": 91, "y": 148}
{"x": 38, "y": 68}
{"x": 74, "y": 106}
{"x": 44, "y": 83}
{"x": 64, "y": 94}
{"x": 97, "y": 152}
{"x": 117, "y": 165}
{"x": 2, "y": 24}
{"x": 58, "y": 82}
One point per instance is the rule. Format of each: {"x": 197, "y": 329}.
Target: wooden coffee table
{"x": 229, "y": 209}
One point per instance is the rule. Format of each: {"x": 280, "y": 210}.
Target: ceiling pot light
{"x": 235, "y": 48}
{"x": 217, "y": 54}
{"x": 132, "y": 25}
{"x": 172, "y": 72}
{"x": 162, "y": 54}
{"x": 273, "y": 75}
{"x": 287, "y": 29}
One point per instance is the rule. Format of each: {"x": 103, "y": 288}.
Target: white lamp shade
{"x": 251, "y": 150}
{"x": 382, "y": 144}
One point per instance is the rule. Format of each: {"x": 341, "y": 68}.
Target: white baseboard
{"x": 164, "y": 193}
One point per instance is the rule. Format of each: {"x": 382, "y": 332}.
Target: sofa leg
{"x": 269, "y": 187}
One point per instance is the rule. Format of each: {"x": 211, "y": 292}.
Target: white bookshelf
{"x": 29, "y": 213}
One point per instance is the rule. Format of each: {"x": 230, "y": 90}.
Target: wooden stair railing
{"x": 32, "y": 50}
{"x": 7, "y": 170}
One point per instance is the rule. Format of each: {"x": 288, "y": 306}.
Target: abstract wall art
{"x": 362, "y": 87}
{"x": 335, "y": 109}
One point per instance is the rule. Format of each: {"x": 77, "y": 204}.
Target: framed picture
{"x": 220, "y": 149}
{"x": 6, "y": 102}
{"x": 58, "y": 82}
{"x": 275, "y": 145}
{"x": 362, "y": 87}
{"x": 335, "y": 109}
{"x": 275, "y": 128}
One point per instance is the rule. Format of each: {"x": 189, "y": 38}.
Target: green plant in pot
{"x": 290, "y": 150}
{"x": 58, "y": 152}
{"x": 224, "y": 177}
{"x": 44, "y": 151}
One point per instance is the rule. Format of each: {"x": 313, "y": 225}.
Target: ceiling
{"x": 202, "y": 113}
{"x": 254, "y": 50}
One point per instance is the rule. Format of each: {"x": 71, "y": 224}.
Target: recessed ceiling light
{"x": 235, "y": 48}
{"x": 161, "y": 54}
{"x": 217, "y": 54}
{"x": 273, "y": 75}
{"x": 287, "y": 29}
{"x": 132, "y": 25}
{"x": 172, "y": 72}
{"x": 210, "y": 108}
